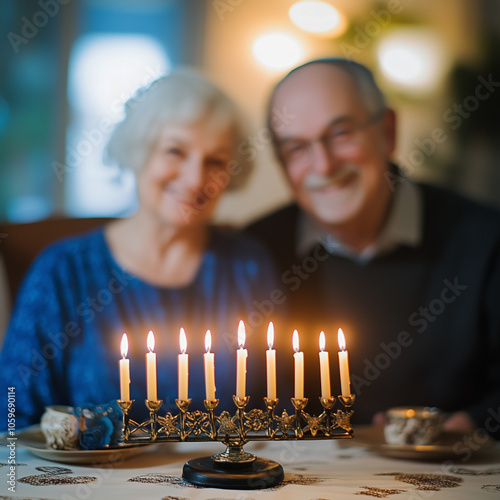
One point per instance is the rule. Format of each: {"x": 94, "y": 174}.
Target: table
{"x": 314, "y": 470}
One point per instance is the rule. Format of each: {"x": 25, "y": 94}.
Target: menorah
{"x": 234, "y": 468}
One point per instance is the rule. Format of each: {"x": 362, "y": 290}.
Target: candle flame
{"x": 270, "y": 335}
{"x": 241, "y": 334}
{"x": 322, "y": 341}
{"x": 295, "y": 341}
{"x": 208, "y": 341}
{"x": 341, "y": 340}
{"x": 151, "y": 341}
{"x": 183, "y": 341}
{"x": 124, "y": 345}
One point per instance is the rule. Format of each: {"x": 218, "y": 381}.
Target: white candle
{"x": 151, "y": 368}
{"x": 241, "y": 362}
{"x": 299, "y": 367}
{"x": 345, "y": 380}
{"x": 183, "y": 363}
{"x": 209, "y": 358}
{"x": 124, "y": 371}
{"x": 271, "y": 363}
{"x": 324, "y": 366}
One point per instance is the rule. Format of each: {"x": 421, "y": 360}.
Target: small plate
{"x": 33, "y": 440}
{"x": 372, "y": 438}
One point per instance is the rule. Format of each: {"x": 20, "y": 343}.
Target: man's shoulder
{"x": 466, "y": 225}
{"x": 277, "y": 231}
{"x": 282, "y": 220}
{"x": 230, "y": 243}
{"x": 448, "y": 206}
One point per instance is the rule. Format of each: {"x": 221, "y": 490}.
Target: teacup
{"x": 416, "y": 425}
{"x": 60, "y": 428}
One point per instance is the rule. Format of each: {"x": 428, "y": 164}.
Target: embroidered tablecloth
{"x": 314, "y": 470}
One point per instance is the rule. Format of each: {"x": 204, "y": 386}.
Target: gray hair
{"x": 183, "y": 97}
{"x": 363, "y": 79}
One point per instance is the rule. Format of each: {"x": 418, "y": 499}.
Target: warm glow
{"x": 151, "y": 341}
{"x": 277, "y": 50}
{"x": 341, "y": 339}
{"x": 412, "y": 58}
{"x": 295, "y": 341}
{"x": 208, "y": 341}
{"x": 182, "y": 341}
{"x": 317, "y": 17}
{"x": 124, "y": 345}
{"x": 270, "y": 335}
{"x": 241, "y": 334}
{"x": 322, "y": 341}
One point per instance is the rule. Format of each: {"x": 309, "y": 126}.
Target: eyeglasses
{"x": 340, "y": 136}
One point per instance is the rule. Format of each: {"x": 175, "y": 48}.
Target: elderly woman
{"x": 161, "y": 269}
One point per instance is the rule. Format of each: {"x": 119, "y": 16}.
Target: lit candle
{"x": 209, "y": 358}
{"x": 183, "y": 361}
{"x": 271, "y": 363}
{"x": 241, "y": 362}
{"x": 345, "y": 380}
{"x": 324, "y": 366}
{"x": 124, "y": 371}
{"x": 151, "y": 368}
{"x": 299, "y": 367}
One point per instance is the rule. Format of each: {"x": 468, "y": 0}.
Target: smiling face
{"x": 185, "y": 174}
{"x": 335, "y": 149}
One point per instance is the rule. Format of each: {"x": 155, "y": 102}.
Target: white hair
{"x": 183, "y": 97}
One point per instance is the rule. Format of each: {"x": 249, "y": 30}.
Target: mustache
{"x": 315, "y": 181}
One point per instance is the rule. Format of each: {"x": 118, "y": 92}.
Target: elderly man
{"x": 409, "y": 271}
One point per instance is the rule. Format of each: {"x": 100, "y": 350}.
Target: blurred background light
{"x": 412, "y": 59}
{"x": 277, "y": 50}
{"x": 318, "y": 17}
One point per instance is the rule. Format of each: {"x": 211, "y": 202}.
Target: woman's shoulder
{"x": 59, "y": 267}
{"x": 78, "y": 251}
{"x": 76, "y": 246}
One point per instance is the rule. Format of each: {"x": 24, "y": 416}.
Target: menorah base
{"x": 259, "y": 474}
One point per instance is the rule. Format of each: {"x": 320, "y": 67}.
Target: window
{"x": 105, "y": 70}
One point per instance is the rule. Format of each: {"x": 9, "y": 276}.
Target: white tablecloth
{"x": 314, "y": 470}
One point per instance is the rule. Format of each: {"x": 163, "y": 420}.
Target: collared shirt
{"x": 403, "y": 227}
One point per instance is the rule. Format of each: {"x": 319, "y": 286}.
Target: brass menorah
{"x": 235, "y": 468}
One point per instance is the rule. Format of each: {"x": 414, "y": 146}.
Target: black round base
{"x": 259, "y": 474}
